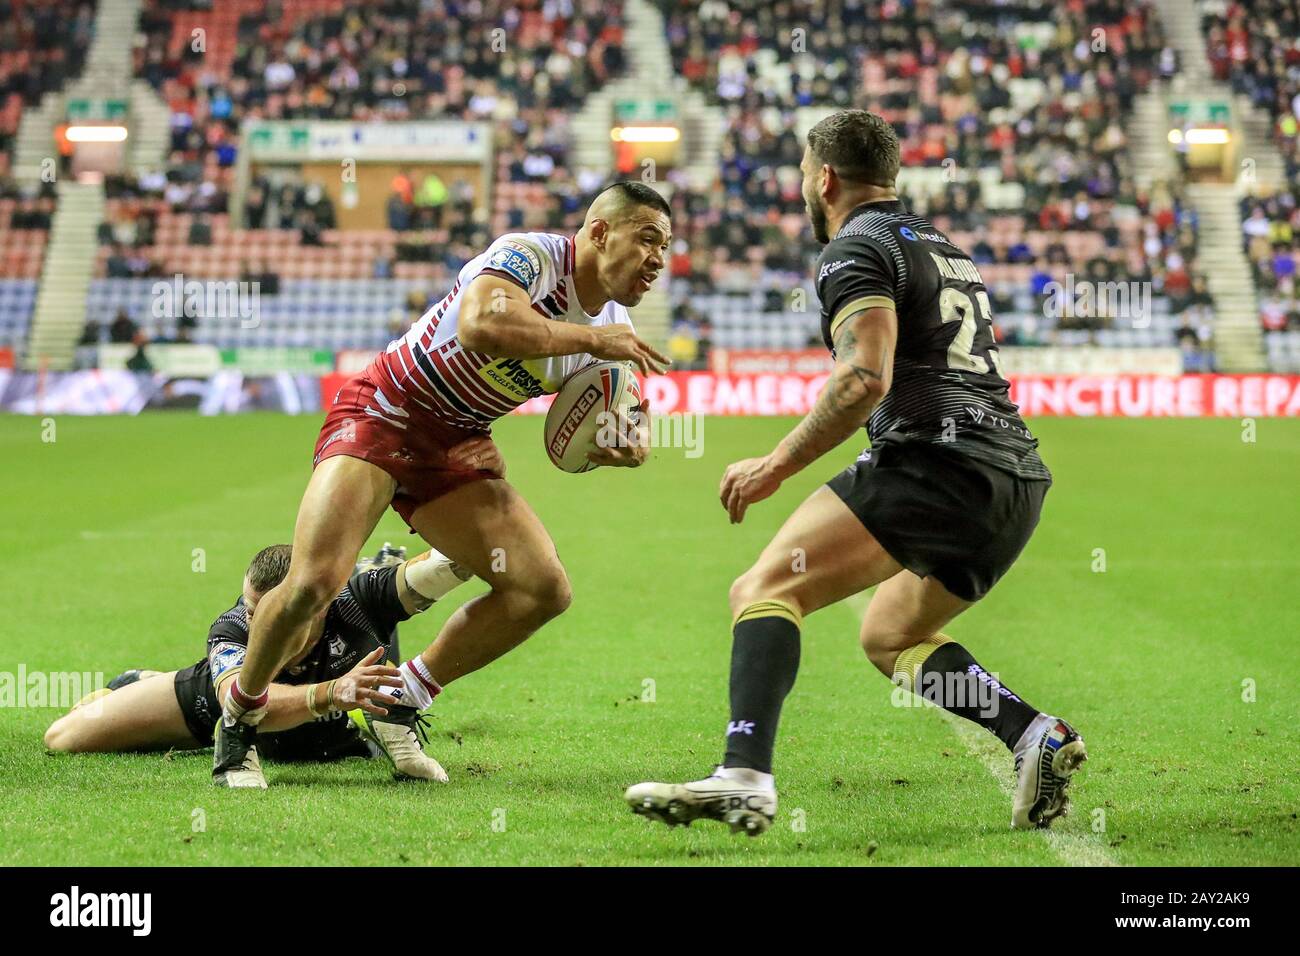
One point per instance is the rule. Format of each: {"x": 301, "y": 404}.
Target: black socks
{"x": 764, "y": 662}
{"x": 943, "y": 672}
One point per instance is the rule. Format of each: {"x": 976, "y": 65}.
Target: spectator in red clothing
{"x": 403, "y": 185}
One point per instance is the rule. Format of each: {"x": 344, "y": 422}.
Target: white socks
{"x": 418, "y": 686}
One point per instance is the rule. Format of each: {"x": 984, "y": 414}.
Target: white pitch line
{"x": 1073, "y": 849}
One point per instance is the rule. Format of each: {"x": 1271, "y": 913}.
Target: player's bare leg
{"x": 902, "y": 635}
{"x": 140, "y": 716}
{"x": 484, "y": 528}
{"x": 344, "y": 501}
{"x": 487, "y": 527}
{"x": 821, "y": 555}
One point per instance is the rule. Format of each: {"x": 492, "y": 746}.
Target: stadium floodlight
{"x": 97, "y": 134}
{"x": 645, "y": 134}
{"x": 1215, "y": 136}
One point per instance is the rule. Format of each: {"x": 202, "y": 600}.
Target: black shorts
{"x": 943, "y": 514}
{"x": 198, "y": 700}
{"x": 324, "y": 740}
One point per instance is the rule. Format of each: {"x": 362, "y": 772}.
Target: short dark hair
{"x": 269, "y": 567}
{"x": 633, "y": 193}
{"x": 860, "y": 146}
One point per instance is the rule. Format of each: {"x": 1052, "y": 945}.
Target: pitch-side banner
{"x": 1039, "y": 396}
{"x": 96, "y": 392}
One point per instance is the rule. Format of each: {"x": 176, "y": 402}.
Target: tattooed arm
{"x": 864, "y": 365}
{"x": 864, "y": 362}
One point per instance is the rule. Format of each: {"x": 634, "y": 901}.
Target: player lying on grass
{"x": 934, "y": 513}
{"x": 520, "y": 319}
{"x": 336, "y": 698}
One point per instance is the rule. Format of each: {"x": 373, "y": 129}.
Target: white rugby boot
{"x": 745, "y": 800}
{"x": 396, "y": 736}
{"x": 234, "y": 757}
{"x": 1047, "y": 756}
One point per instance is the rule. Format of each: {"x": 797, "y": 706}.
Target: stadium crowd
{"x": 522, "y": 67}
{"x": 981, "y": 94}
{"x": 1254, "y": 48}
{"x": 526, "y": 67}
{"x": 42, "y": 46}
{"x": 956, "y": 82}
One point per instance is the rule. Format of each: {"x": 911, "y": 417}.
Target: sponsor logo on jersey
{"x": 337, "y": 646}
{"x": 911, "y": 235}
{"x": 225, "y": 656}
{"x": 833, "y": 267}
{"x": 511, "y": 377}
{"x": 517, "y": 260}
{"x": 978, "y": 415}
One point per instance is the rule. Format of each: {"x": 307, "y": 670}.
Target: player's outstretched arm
{"x": 864, "y": 361}
{"x": 290, "y": 705}
{"x": 497, "y": 319}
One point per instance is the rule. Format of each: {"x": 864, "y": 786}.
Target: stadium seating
{"x": 23, "y": 233}
{"x": 530, "y": 90}
{"x": 17, "y": 300}
{"x": 342, "y": 254}
{"x": 22, "y": 251}
{"x": 1251, "y": 46}
{"x": 329, "y": 314}
{"x": 1006, "y": 93}
{"x": 995, "y": 85}
{"x": 44, "y": 44}
{"x": 339, "y": 59}
{"x": 1283, "y": 351}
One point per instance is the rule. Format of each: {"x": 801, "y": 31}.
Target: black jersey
{"x": 364, "y": 616}
{"x": 947, "y": 388}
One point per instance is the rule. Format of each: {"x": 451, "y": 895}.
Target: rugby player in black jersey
{"x": 336, "y": 698}
{"x": 932, "y": 515}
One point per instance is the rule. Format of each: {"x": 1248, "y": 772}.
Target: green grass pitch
{"x": 1156, "y": 660}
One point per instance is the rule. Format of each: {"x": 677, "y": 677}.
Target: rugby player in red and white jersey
{"x": 413, "y": 431}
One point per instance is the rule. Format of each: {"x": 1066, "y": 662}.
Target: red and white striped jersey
{"x": 430, "y": 368}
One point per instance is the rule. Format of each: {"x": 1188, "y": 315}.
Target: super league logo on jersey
{"x": 518, "y": 261}
{"x": 225, "y": 656}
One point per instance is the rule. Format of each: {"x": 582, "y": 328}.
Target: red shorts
{"x": 415, "y": 456}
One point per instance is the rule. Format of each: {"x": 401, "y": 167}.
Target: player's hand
{"x": 359, "y": 687}
{"x": 479, "y": 453}
{"x": 745, "y": 483}
{"x": 632, "y": 448}
{"x": 619, "y": 343}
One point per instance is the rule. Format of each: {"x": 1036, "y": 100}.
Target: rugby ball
{"x": 576, "y": 417}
